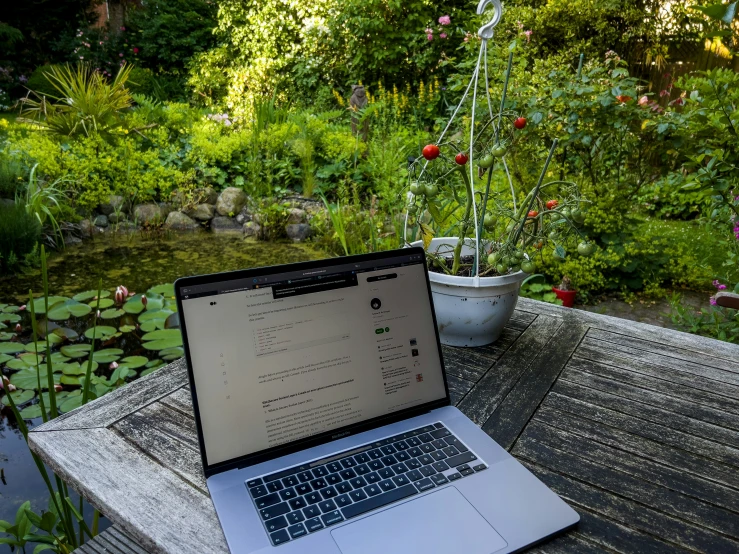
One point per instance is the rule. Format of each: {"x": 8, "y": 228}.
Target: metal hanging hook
{"x": 486, "y": 31}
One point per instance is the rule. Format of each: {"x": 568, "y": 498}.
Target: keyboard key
{"x": 374, "y": 465}
{"x": 427, "y": 471}
{"x": 413, "y": 441}
{"x": 375, "y": 454}
{"x": 426, "y": 459}
{"x": 274, "y": 511}
{"x": 450, "y": 451}
{"x": 387, "y": 450}
{"x": 358, "y": 482}
{"x": 439, "y": 479}
{"x": 439, "y": 444}
{"x": 372, "y": 490}
{"x": 413, "y": 464}
{"x": 440, "y": 466}
{"x": 387, "y": 485}
{"x": 314, "y": 524}
{"x": 320, "y": 471}
{"x": 349, "y": 462}
{"x": 415, "y": 452}
{"x": 400, "y": 480}
{"x": 312, "y": 511}
{"x": 362, "y": 469}
{"x": 427, "y": 428}
{"x": 268, "y": 500}
{"x": 258, "y": 491}
{"x": 389, "y": 460}
{"x": 327, "y": 506}
{"x": 348, "y": 474}
{"x": 480, "y": 467}
{"x": 254, "y": 482}
{"x": 399, "y": 468}
{"x": 305, "y": 476}
{"x": 329, "y": 492}
{"x": 312, "y": 497}
{"x": 288, "y": 494}
{"x": 318, "y": 484}
{"x": 438, "y": 455}
{"x": 460, "y": 459}
{"x": 297, "y": 503}
{"x": 456, "y": 443}
{"x": 376, "y": 501}
{"x": 427, "y": 448}
{"x": 333, "y": 478}
{"x": 303, "y": 488}
{"x": 343, "y": 500}
{"x": 358, "y": 495}
{"x": 439, "y": 425}
{"x": 386, "y": 473}
{"x": 402, "y": 456}
{"x": 334, "y": 467}
{"x": 401, "y": 445}
{"x": 332, "y": 518}
{"x": 454, "y": 476}
{"x": 297, "y": 531}
{"x": 274, "y": 486}
{"x": 440, "y": 433}
{"x": 467, "y": 472}
{"x": 279, "y": 537}
{"x": 276, "y": 524}
{"x": 290, "y": 481}
{"x": 414, "y": 475}
{"x": 344, "y": 487}
{"x": 425, "y": 437}
{"x": 424, "y": 484}
{"x": 372, "y": 478}
{"x": 462, "y": 468}
{"x": 362, "y": 458}
{"x": 295, "y": 517}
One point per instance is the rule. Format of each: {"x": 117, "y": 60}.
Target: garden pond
{"x": 132, "y": 336}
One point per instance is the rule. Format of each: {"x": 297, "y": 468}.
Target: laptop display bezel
{"x": 322, "y": 438}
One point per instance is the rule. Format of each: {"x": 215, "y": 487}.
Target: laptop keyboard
{"x": 304, "y": 499}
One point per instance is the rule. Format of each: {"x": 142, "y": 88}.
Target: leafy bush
{"x": 19, "y": 234}
{"x": 39, "y": 81}
{"x": 11, "y": 177}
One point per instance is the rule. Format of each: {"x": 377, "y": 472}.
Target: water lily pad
{"x": 162, "y": 339}
{"x": 170, "y": 354}
{"x": 10, "y": 309}
{"x": 100, "y": 332}
{"x": 70, "y": 380}
{"x": 127, "y": 328}
{"x": 154, "y": 314}
{"x": 134, "y": 305}
{"x": 75, "y": 369}
{"x": 24, "y": 361}
{"x": 107, "y": 355}
{"x": 9, "y": 318}
{"x": 40, "y": 346}
{"x": 31, "y": 412}
{"x": 150, "y": 370}
{"x": 5, "y": 358}
{"x": 19, "y": 397}
{"x": 11, "y": 348}
{"x": 67, "y": 309}
{"x": 65, "y": 333}
{"x": 155, "y": 363}
{"x": 104, "y": 303}
{"x": 60, "y": 396}
{"x": 3, "y": 326}
{"x": 76, "y": 350}
{"x": 59, "y": 358}
{"x": 135, "y": 362}
{"x": 71, "y": 402}
{"x": 111, "y": 313}
{"x": 165, "y": 290}
{"x": 7, "y": 336}
{"x": 172, "y": 322}
{"x": 90, "y": 294}
{"x": 40, "y": 307}
{"x": 152, "y": 325}
{"x": 27, "y": 379}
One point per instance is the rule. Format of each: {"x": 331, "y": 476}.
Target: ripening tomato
{"x": 533, "y": 213}
{"x": 520, "y": 123}
{"x": 431, "y": 152}
{"x": 486, "y": 162}
{"x": 551, "y": 204}
{"x": 461, "y": 158}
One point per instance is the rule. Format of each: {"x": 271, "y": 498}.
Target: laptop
{"x": 325, "y": 423}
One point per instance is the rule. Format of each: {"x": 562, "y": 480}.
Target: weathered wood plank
{"x": 118, "y": 537}
{"x": 641, "y": 468}
{"x": 117, "y": 404}
{"x": 601, "y": 379}
{"x": 470, "y": 363}
{"x": 637, "y": 376}
{"x": 180, "y": 400}
{"x": 111, "y": 541}
{"x": 669, "y": 529}
{"x": 710, "y": 360}
{"x": 633, "y": 424}
{"x": 568, "y": 543}
{"x": 169, "y": 437}
{"x": 510, "y": 417}
{"x": 637, "y": 489}
{"x": 487, "y": 394}
{"x": 670, "y": 456}
{"x": 151, "y": 503}
{"x": 636, "y": 356}
{"x": 718, "y": 436}
{"x": 670, "y": 337}
{"x": 458, "y": 387}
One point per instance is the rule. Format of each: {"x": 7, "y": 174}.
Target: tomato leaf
{"x": 427, "y": 233}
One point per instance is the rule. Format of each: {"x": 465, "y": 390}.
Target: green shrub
{"x": 19, "y": 234}
{"x": 39, "y": 81}
{"x": 11, "y": 177}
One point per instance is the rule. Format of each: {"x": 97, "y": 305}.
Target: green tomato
{"x": 489, "y": 221}
{"x": 493, "y": 258}
{"x": 506, "y": 261}
{"x": 509, "y": 228}
{"x": 566, "y": 213}
{"x": 499, "y": 151}
{"x": 486, "y": 162}
{"x": 515, "y": 267}
{"x": 553, "y": 235}
{"x": 431, "y": 190}
{"x": 585, "y": 249}
{"x": 417, "y": 189}
{"x": 518, "y": 255}
{"x": 577, "y": 216}
{"x": 501, "y": 268}
{"x": 528, "y": 267}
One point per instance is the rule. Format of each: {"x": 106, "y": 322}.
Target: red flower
{"x": 135, "y": 50}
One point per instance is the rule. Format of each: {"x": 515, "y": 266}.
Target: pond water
{"x": 138, "y": 263}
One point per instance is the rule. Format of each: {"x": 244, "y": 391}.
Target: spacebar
{"x": 378, "y": 501}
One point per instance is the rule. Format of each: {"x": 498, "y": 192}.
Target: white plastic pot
{"x": 471, "y": 311}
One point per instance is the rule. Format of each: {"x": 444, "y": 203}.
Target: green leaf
{"x": 71, "y": 403}
{"x": 721, "y": 12}
{"x": 127, "y": 328}
{"x": 11, "y": 348}
{"x": 135, "y": 362}
{"x": 164, "y": 290}
{"x": 134, "y": 305}
{"x": 171, "y": 354}
{"x": 101, "y": 332}
{"x": 89, "y": 295}
{"x": 107, "y": 355}
{"x": 76, "y": 350}
{"x": 156, "y": 314}
{"x": 39, "y": 306}
{"x": 104, "y": 303}
{"x": 5, "y": 358}
{"x": 31, "y": 412}
{"x": 21, "y": 396}
{"x": 67, "y": 309}
{"x": 9, "y": 318}
{"x": 41, "y": 547}
{"x": 65, "y": 333}
{"x": 74, "y": 369}
{"x": 111, "y": 314}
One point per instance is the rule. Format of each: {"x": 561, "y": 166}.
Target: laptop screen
{"x": 281, "y": 357}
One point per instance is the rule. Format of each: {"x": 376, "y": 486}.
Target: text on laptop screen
{"x": 280, "y": 358}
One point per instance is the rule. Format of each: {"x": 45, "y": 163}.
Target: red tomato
{"x": 461, "y": 158}
{"x": 520, "y": 123}
{"x": 431, "y": 151}
{"x": 533, "y": 213}
{"x": 551, "y": 204}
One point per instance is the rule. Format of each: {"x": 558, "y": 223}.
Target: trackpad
{"x": 440, "y": 523}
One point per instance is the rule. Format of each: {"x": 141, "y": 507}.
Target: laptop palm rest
{"x": 443, "y": 522}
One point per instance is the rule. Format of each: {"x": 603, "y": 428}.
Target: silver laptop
{"x": 325, "y": 423}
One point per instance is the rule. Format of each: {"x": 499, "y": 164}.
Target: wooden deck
{"x": 636, "y": 427}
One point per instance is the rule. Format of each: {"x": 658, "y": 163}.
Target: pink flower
{"x": 135, "y": 50}
{"x": 113, "y": 365}
{"x": 664, "y": 93}
{"x": 443, "y": 35}
{"x": 528, "y": 35}
{"x": 123, "y": 28}
{"x": 445, "y": 20}
{"x": 680, "y": 101}
{"x": 722, "y": 287}
{"x": 120, "y": 294}
{"x": 716, "y": 283}
{"x": 144, "y": 300}
{"x": 712, "y": 300}
{"x": 429, "y": 31}
{"x": 82, "y": 57}
{"x": 23, "y": 307}
{"x": 18, "y": 328}
{"x": 643, "y": 101}
{"x": 120, "y": 54}
{"x": 101, "y": 43}
{"x": 430, "y": 36}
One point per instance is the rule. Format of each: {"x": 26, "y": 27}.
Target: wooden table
{"x": 637, "y": 427}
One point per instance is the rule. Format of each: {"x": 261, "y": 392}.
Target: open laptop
{"x": 325, "y": 423}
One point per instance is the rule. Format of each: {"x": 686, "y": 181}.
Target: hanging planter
{"x": 490, "y": 242}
